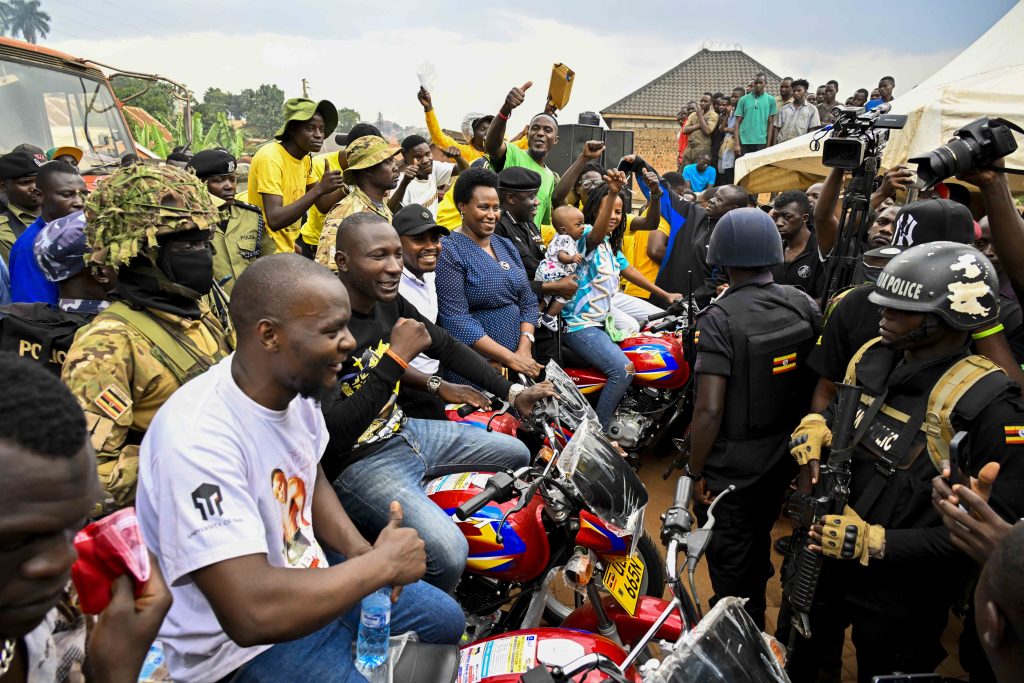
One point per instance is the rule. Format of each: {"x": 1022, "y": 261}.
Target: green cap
{"x": 365, "y": 152}
{"x": 301, "y": 109}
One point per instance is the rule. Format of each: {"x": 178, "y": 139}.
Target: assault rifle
{"x": 829, "y": 497}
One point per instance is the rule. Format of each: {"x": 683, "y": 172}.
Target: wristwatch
{"x": 433, "y": 384}
{"x": 513, "y": 393}
{"x": 696, "y": 476}
{"x": 529, "y": 335}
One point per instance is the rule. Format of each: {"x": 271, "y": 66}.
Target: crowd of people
{"x": 719, "y": 128}
{"x": 263, "y": 377}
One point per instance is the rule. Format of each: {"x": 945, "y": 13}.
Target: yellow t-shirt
{"x": 314, "y": 224}
{"x": 275, "y": 171}
{"x": 447, "y": 214}
{"x": 634, "y": 246}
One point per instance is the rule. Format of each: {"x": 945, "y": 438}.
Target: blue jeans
{"x": 595, "y": 346}
{"x": 326, "y": 656}
{"x": 425, "y": 449}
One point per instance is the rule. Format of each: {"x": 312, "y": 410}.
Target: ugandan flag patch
{"x": 783, "y": 364}
{"x": 1014, "y": 434}
{"x": 112, "y": 402}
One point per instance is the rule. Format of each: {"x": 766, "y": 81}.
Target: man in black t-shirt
{"x": 377, "y": 453}
{"x": 803, "y": 267}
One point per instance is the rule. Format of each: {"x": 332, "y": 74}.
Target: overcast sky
{"x": 365, "y": 55}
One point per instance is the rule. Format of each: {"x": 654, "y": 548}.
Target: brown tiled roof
{"x": 707, "y": 70}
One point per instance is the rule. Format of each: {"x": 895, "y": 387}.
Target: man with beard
{"x": 378, "y": 453}
{"x": 281, "y": 178}
{"x": 49, "y": 490}
{"x": 154, "y": 225}
{"x": 683, "y": 252}
{"x": 371, "y": 173}
{"x": 422, "y": 175}
{"x": 255, "y": 599}
{"x": 541, "y": 135}
{"x": 907, "y": 573}
{"x": 18, "y": 172}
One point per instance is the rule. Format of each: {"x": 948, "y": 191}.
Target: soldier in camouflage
{"x": 240, "y": 236}
{"x": 154, "y": 225}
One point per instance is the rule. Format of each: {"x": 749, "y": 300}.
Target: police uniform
{"x": 898, "y": 596}
{"x": 13, "y": 218}
{"x": 129, "y": 360}
{"x": 40, "y": 332}
{"x": 241, "y": 236}
{"x": 851, "y": 320}
{"x": 757, "y": 336}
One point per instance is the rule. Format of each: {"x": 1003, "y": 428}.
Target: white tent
{"x": 986, "y": 79}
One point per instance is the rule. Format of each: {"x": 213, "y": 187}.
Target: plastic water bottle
{"x": 374, "y": 633}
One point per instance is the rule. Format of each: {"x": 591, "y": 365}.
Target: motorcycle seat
{"x": 426, "y": 663}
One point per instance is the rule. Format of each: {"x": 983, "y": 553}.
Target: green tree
{"x": 346, "y": 119}
{"x": 262, "y": 109}
{"x": 155, "y": 98}
{"x": 24, "y": 17}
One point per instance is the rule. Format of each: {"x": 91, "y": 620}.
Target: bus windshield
{"x": 50, "y": 108}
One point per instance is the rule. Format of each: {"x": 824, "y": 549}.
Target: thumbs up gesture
{"x": 516, "y": 96}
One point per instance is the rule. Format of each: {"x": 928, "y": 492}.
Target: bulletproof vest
{"x": 896, "y": 438}
{"x": 172, "y": 347}
{"x": 39, "y": 332}
{"x": 769, "y": 385}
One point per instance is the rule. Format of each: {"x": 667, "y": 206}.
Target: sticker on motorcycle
{"x": 500, "y": 657}
{"x": 458, "y": 482}
{"x": 622, "y": 578}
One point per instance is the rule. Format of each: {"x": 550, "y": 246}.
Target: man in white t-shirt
{"x": 422, "y": 175}
{"x": 234, "y": 503}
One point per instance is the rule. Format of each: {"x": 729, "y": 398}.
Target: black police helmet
{"x": 745, "y": 238}
{"x": 954, "y": 281}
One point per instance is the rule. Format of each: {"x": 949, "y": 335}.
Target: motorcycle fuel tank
{"x": 658, "y": 359}
{"x": 523, "y": 551}
{"x": 505, "y": 658}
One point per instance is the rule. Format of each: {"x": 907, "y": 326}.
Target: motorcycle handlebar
{"x": 476, "y": 503}
{"x": 684, "y": 492}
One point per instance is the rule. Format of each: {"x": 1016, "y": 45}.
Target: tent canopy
{"x": 983, "y": 80}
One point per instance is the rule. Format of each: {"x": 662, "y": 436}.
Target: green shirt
{"x": 517, "y": 157}
{"x": 755, "y": 112}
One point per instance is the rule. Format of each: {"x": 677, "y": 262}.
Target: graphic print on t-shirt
{"x": 300, "y": 549}
{"x": 391, "y": 418}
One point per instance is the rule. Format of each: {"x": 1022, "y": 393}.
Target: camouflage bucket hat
{"x": 60, "y": 248}
{"x": 301, "y": 109}
{"x": 128, "y": 210}
{"x": 366, "y": 152}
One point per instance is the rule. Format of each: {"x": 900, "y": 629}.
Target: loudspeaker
{"x": 571, "y": 138}
{"x": 618, "y": 143}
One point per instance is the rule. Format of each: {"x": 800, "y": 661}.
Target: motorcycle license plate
{"x": 622, "y": 578}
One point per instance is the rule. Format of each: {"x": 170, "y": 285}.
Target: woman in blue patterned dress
{"x": 483, "y": 294}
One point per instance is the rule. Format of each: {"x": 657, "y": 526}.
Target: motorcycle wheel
{"x": 652, "y": 583}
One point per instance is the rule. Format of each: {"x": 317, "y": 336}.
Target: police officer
{"x": 751, "y": 385}
{"x": 40, "y": 332}
{"x": 921, "y": 387}
{"x": 23, "y": 201}
{"x": 240, "y": 236}
{"x": 154, "y": 225}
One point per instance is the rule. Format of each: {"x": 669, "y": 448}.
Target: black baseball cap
{"x": 415, "y": 219}
{"x": 929, "y": 220}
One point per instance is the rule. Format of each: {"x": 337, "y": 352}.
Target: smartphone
{"x": 908, "y": 678}
{"x": 957, "y": 447}
{"x": 625, "y": 167}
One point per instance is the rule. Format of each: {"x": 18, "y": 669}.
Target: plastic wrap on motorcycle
{"x": 572, "y": 407}
{"x": 725, "y": 647}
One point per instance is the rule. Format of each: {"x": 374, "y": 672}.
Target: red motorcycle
{"x": 579, "y": 506}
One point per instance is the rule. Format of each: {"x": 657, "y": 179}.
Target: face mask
{"x": 872, "y": 272}
{"x": 190, "y": 269}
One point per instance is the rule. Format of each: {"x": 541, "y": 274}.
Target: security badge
{"x": 112, "y": 402}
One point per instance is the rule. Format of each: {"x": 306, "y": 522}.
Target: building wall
{"x": 655, "y": 141}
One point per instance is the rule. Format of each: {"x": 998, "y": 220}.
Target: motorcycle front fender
{"x": 631, "y": 628}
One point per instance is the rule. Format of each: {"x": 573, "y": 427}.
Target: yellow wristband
{"x": 978, "y": 336}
